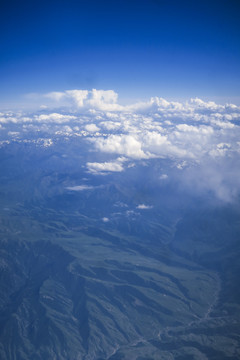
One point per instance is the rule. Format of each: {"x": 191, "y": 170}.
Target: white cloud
{"x": 181, "y": 165}
{"x": 163, "y": 177}
{"x": 223, "y": 124}
{"x": 144, "y": 207}
{"x": 127, "y": 145}
{"x": 78, "y": 96}
{"x": 220, "y": 150}
{"x": 99, "y": 168}
{"x": 220, "y": 177}
{"x": 160, "y": 146}
{"x": 54, "y": 118}
{"x": 100, "y": 99}
{"x": 110, "y": 125}
{"x": 14, "y": 133}
{"x": 80, "y": 187}
{"x": 55, "y": 95}
{"x": 194, "y": 129}
{"x": 104, "y": 100}
{"x": 47, "y": 142}
{"x": 92, "y": 128}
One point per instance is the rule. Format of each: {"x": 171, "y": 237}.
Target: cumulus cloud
{"x": 104, "y": 100}
{"x": 127, "y": 145}
{"x": 92, "y": 128}
{"x": 77, "y": 95}
{"x": 100, "y": 99}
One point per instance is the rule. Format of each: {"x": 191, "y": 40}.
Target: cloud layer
{"x": 197, "y": 135}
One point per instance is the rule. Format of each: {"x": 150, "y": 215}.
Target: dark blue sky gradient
{"x": 139, "y": 48}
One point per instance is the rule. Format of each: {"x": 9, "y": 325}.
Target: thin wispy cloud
{"x": 80, "y": 187}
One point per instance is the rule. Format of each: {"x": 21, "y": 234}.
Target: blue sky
{"x": 173, "y": 49}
